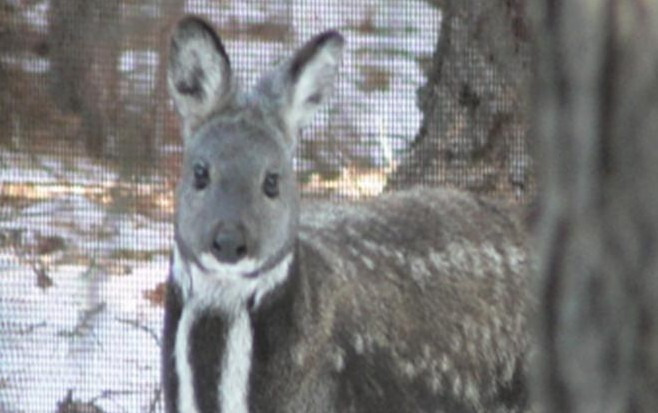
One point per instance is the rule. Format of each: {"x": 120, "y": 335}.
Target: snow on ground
{"x": 80, "y": 304}
{"x": 21, "y": 167}
{"x": 80, "y": 297}
{"x": 90, "y": 334}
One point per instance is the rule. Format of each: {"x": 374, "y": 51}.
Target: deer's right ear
{"x": 199, "y": 71}
{"x": 303, "y": 84}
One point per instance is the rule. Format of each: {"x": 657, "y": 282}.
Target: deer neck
{"x": 233, "y": 341}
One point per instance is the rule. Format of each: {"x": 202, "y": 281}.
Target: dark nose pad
{"x": 229, "y": 245}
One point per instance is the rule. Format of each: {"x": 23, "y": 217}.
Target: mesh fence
{"x": 90, "y": 151}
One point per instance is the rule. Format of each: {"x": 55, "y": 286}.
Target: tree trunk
{"x": 84, "y": 57}
{"x": 474, "y": 129}
{"x": 172, "y": 10}
{"x": 5, "y": 105}
{"x": 7, "y": 17}
{"x": 596, "y": 124}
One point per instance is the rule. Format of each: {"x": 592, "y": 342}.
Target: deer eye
{"x": 271, "y": 185}
{"x": 201, "y": 175}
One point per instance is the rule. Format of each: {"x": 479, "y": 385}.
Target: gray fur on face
{"x": 238, "y": 158}
{"x": 242, "y": 139}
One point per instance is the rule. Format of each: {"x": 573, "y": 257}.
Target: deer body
{"x": 410, "y": 302}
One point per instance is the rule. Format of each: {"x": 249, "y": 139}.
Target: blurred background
{"x": 430, "y": 93}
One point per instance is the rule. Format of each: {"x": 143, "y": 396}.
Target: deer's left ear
{"x": 199, "y": 71}
{"x": 305, "y": 82}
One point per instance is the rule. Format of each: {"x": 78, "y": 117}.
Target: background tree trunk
{"x": 85, "y": 41}
{"x": 20, "y": 91}
{"x": 596, "y": 124}
{"x": 7, "y": 17}
{"x": 473, "y": 133}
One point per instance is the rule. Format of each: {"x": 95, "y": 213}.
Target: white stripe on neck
{"x": 234, "y": 378}
{"x": 186, "y": 400}
{"x": 222, "y": 289}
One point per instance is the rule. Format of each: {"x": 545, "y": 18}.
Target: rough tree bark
{"x": 474, "y": 130}
{"x": 596, "y": 124}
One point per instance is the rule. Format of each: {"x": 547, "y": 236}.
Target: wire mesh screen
{"x": 90, "y": 150}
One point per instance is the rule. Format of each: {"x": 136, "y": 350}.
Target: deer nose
{"x": 229, "y": 245}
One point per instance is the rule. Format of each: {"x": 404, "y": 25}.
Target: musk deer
{"x": 410, "y": 302}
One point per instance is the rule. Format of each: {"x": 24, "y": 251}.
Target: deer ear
{"x": 199, "y": 71}
{"x": 311, "y": 74}
{"x": 302, "y": 85}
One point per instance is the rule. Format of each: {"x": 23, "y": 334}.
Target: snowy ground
{"x": 80, "y": 294}
{"x": 91, "y": 334}
{"x": 80, "y": 279}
